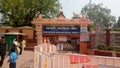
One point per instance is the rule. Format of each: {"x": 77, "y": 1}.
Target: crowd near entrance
{"x": 64, "y": 43}
{"x": 62, "y": 37}
{"x": 10, "y": 37}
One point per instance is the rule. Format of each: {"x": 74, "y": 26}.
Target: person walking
{"x": 13, "y": 57}
{"x": 17, "y": 44}
{"x": 3, "y": 50}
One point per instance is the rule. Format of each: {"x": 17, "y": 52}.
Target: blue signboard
{"x": 83, "y": 30}
{"x": 61, "y": 29}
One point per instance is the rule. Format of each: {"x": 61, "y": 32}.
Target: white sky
{"x": 70, "y": 6}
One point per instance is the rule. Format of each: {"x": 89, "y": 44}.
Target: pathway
{"x": 24, "y": 61}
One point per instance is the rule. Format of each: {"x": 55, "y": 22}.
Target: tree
{"x": 117, "y": 25}
{"x": 21, "y": 12}
{"x": 99, "y": 14}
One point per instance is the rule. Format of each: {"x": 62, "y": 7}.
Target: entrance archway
{"x": 62, "y": 27}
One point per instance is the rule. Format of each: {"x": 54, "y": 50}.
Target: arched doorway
{"x": 61, "y": 29}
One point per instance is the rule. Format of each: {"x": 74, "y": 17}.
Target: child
{"x": 13, "y": 57}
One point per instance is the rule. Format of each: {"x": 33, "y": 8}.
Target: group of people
{"x": 59, "y": 46}
{"x": 20, "y": 45}
{"x": 16, "y": 49}
{"x": 65, "y": 46}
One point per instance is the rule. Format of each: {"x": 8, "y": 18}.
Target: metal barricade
{"x": 42, "y": 55}
{"x": 46, "y": 56}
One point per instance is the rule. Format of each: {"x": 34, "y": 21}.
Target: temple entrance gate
{"x": 80, "y": 33}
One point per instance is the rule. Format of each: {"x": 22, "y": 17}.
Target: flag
{"x": 74, "y": 14}
{"x": 61, "y": 7}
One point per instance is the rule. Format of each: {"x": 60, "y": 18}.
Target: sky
{"x": 70, "y": 6}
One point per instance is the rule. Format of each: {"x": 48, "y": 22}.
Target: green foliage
{"x": 116, "y": 29}
{"x": 99, "y": 14}
{"x": 21, "y": 12}
{"x": 117, "y": 49}
{"x": 109, "y": 48}
{"x": 91, "y": 26}
{"x": 117, "y": 25}
{"x": 102, "y": 47}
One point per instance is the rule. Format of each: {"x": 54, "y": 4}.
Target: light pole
{"x": 108, "y": 35}
{"x": 90, "y": 1}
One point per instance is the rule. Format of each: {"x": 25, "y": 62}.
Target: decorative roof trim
{"x": 61, "y": 21}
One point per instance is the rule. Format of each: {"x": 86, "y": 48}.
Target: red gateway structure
{"x": 72, "y": 33}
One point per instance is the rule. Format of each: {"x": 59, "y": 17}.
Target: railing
{"x": 45, "y": 58}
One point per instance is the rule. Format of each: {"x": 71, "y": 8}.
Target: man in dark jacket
{"x": 2, "y": 50}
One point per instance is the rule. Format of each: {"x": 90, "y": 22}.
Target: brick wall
{"x": 29, "y": 31}
{"x": 100, "y": 39}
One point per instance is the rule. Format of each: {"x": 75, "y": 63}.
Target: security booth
{"x": 10, "y": 36}
{"x": 71, "y": 33}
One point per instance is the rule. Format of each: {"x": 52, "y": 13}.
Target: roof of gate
{"x": 14, "y": 33}
{"x": 61, "y": 20}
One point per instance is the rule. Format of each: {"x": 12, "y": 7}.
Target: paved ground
{"x": 106, "y": 66}
{"x": 24, "y": 61}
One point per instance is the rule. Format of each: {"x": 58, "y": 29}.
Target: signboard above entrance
{"x": 61, "y": 29}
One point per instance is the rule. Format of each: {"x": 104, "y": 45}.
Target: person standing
{"x": 3, "y": 48}
{"x": 17, "y": 44}
{"x": 24, "y": 44}
{"x": 20, "y": 46}
{"x": 60, "y": 46}
{"x": 13, "y": 57}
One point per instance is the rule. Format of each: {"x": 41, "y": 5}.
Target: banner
{"x": 84, "y": 38}
{"x": 61, "y": 29}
